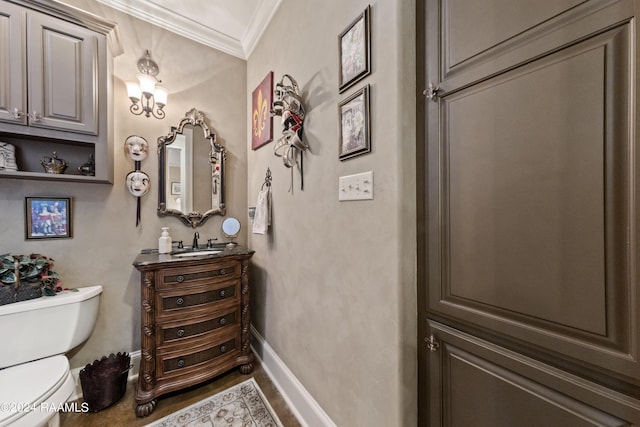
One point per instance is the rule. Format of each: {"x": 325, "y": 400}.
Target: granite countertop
{"x": 151, "y": 257}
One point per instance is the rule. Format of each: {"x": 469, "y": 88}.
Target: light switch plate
{"x": 356, "y": 187}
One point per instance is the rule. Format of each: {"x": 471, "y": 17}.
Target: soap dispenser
{"x": 164, "y": 242}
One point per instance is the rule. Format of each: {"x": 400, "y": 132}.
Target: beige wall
{"x": 334, "y": 282}
{"x": 106, "y": 240}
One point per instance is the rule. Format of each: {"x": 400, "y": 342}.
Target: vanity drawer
{"x": 179, "y": 331}
{"x": 177, "y": 363}
{"x": 205, "y": 298}
{"x": 170, "y": 278}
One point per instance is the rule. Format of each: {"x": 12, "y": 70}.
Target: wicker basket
{"x": 104, "y": 381}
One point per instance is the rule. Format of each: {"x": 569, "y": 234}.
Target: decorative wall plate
{"x": 138, "y": 183}
{"x": 136, "y": 147}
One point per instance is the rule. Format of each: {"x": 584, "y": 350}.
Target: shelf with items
{"x": 30, "y": 151}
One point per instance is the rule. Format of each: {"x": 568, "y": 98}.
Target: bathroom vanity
{"x": 194, "y": 319}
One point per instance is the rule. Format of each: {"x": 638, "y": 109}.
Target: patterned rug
{"x": 242, "y": 405}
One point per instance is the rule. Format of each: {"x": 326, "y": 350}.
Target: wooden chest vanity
{"x": 195, "y": 321}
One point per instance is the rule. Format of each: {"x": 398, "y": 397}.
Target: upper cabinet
{"x": 13, "y": 61}
{"x": 55, "y": 88}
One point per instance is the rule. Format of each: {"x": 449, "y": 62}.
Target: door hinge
{"x": 432, "y": 343}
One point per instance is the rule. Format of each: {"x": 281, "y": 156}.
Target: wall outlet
{"x": 356, "y": 187}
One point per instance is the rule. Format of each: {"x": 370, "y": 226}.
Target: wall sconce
{"x": 145, "y": 96}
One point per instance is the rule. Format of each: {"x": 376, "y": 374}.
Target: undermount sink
{"x": 197, "y": 253}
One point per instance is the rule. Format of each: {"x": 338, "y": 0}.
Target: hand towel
{"x": 262, "y": 218}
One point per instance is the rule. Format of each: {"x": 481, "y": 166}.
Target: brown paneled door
{"x": 528, "y": 213}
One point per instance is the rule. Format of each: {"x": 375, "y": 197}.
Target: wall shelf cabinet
{"x": 55, "y": 88}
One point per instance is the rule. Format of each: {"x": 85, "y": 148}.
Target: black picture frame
{"x": 354, "y": 47}
{"x": 354, "y": 125}
{"x": 48, "y": 218}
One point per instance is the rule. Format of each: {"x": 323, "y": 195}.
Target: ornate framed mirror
{"x": 191, "y": 172}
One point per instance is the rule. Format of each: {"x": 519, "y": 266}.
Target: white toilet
{"x": 35, "y": 380}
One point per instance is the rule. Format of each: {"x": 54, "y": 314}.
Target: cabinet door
{"x": 62, "y": 75}
{"x": 533, "y": 186}
{"x": 13, "y": 81}
{"x": 484, "y": 385}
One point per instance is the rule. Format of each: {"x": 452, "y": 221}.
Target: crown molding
{"x": 176, "y": 23}
{"x": 258, "y": 23}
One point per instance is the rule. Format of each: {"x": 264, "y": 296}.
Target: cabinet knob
{"x": 16, "y": 114}
{"x": 181, "y": 363}
{"x": 432, "y": 343}
{"x": 223, "y": 349}
{"x": 222, "y": 321}
{"x": 180, "y": 333}
{"x": 35, "y": 116}
{"x": 180, "y": 301}
{"x": 223, "y": 271}
{"x": 222, "y": 293}
{"x": 180, "y": 279}
{"x": 432, "y": 92}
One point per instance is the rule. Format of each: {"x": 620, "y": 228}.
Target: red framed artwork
{"x": 261, "y": 120}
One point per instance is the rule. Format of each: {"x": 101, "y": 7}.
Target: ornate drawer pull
{"x": 180, "y": 333}
{"x": 223, "y": 271}
{"x": 222, "y": 293}
{"x": 222, "y": 321}
{"x": 223, "y": 349}
{"x": 179, "y": 301}
{"x": 181, "y": 363}
{"x": 180, "y": 278}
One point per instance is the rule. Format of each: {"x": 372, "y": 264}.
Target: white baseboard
{"x": 133, "y": 375}
{"x": 301, "y": 403}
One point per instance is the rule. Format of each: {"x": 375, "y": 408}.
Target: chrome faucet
{"x": 196, "y": 236}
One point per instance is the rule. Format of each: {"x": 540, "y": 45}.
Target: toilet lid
{"x": 31, "y": 383}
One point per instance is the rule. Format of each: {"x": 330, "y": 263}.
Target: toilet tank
{"x": 47, "y": 326}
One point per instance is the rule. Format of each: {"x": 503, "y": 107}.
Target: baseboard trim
{"x": 301, "y": 403}
{"x": 133, "y": 375}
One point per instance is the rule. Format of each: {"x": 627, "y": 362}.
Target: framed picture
{"x": 175, "y": 188}
{"x": 354, "y": 131}
{"x": 48, "y": 217}
{"x": 354, "y": 45}
{"x": 261, "y": 120}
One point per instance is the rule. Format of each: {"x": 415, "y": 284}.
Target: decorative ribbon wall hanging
{"x": 138, "y": 183}
{"x": 288, "y": 104}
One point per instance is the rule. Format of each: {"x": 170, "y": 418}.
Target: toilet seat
{"x": 30, "y": 393}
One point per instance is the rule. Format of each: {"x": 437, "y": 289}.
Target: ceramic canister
{"x": 8, "y": 157}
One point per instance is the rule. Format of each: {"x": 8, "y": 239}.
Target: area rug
{"x": 242, "y": 405}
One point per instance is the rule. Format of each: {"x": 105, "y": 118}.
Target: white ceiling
{"x": 232, "y": 26}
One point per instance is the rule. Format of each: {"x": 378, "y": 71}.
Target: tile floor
{"x": 123, "y": 412}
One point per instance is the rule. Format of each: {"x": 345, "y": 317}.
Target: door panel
{"x": 13, "y": 87}
{"x": 484, "y": 385}
{"x": 536, "y": 179}
{"x": 503, "y": 51}
{"x": 473, "y": 27}
{"x": 62, "y": 75}
{"x": 531, "y": 199}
